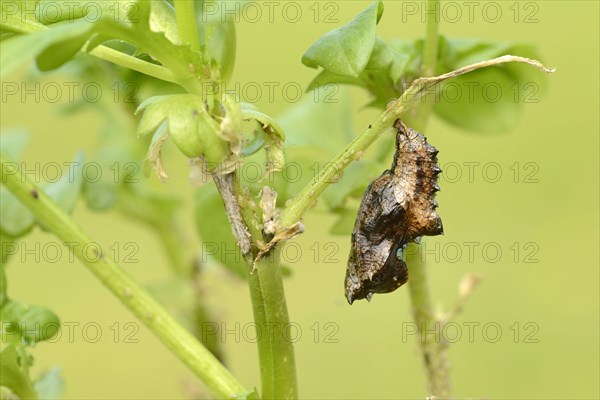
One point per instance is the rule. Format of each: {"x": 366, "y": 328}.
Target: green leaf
{"x": 17, "y": 16}
{"x": 10, "y": 314}
{"x": 13, "y": 144}
{"x": 154, "y": 157}
{"x": 51, "y": 385}
{"x": 21, "y": 49}
{"x": 193, "y": 130}
{"x": 136, "y": 28}
{"x": 385, "y": 58}
{"x": 3, "y": 291}
{"x": 66, "y": 191}
{"x": 481, "y": 101}
{"x": 272, "y": 140}
{"x": 162, "y": 19}
{"x": 55, "y": 55}
{"x": 414, "y": 51}
{"x": 220, "y": 42}
{"x": 214, "y": 229}
{"x": 346, "y": 50}
{"x": 13, "y": 377}
{"x": 270, "y": 125}
{"x": 38, "y": 324}
{"x": 345, "y": 223}
{"x": 28, "y": 324}
{"x": 326, "y": 77}
{"x": 54, "y": 11}
{"x": 355, "y": 180}
{"x": 488, "y": 100}
{"x": 100, "y": 196}
{"x": 16, "y": 220}
{"x": 308, "y": 149}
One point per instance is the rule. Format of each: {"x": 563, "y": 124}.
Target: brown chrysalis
{"x": 397, "y": 208}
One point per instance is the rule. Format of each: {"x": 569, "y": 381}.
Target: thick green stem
{"x": 200, "y": 360}
{"x": 186, "y": 23}
{"x": 275, "y": 348}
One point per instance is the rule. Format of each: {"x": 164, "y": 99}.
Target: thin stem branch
{"x": 108, "y": 54}
{"x": 383, "y": 124}
{"x": 183, "y": 344}
{"x": 433, "y": 351}
{"x": 127, "y": 61}
{"x": 435, "y": 357}
{"x": 186, "y": 23}
{"x": 430, "y": 55}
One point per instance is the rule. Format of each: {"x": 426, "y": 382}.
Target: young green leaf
{"x": 18, "y": 50}
{"x": 219, "y": 43}
{"x": 13, "y": 377}
{"x": 192, "y": 128}
{"x": 38, "y": 324}
{"x": 15, "y": 219}
{"x": 385, "y": 58}
{"x": 13, "y": 144}
{"x": 272, "y": 139}
{"x": 270, "y": 125}
{"x": 346, "y": 50}
{"x": 154, "y": 157}
{"x": 51, "y": 385}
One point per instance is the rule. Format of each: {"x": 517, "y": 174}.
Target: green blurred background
{"x": 368, "y": 356}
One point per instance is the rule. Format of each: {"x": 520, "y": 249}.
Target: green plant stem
{"x": 186, "y": 23}
{"x": 124, "y": 60}
{"x": 308, "y": 195}
{"x": 433, "y": 350}
{"x": 435, "y": 358}
{"x": 200, "y": 360}
{"x": 430, "y": 56}
{"x": 275, "y": 349}
{"x": 108, "y": 54}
